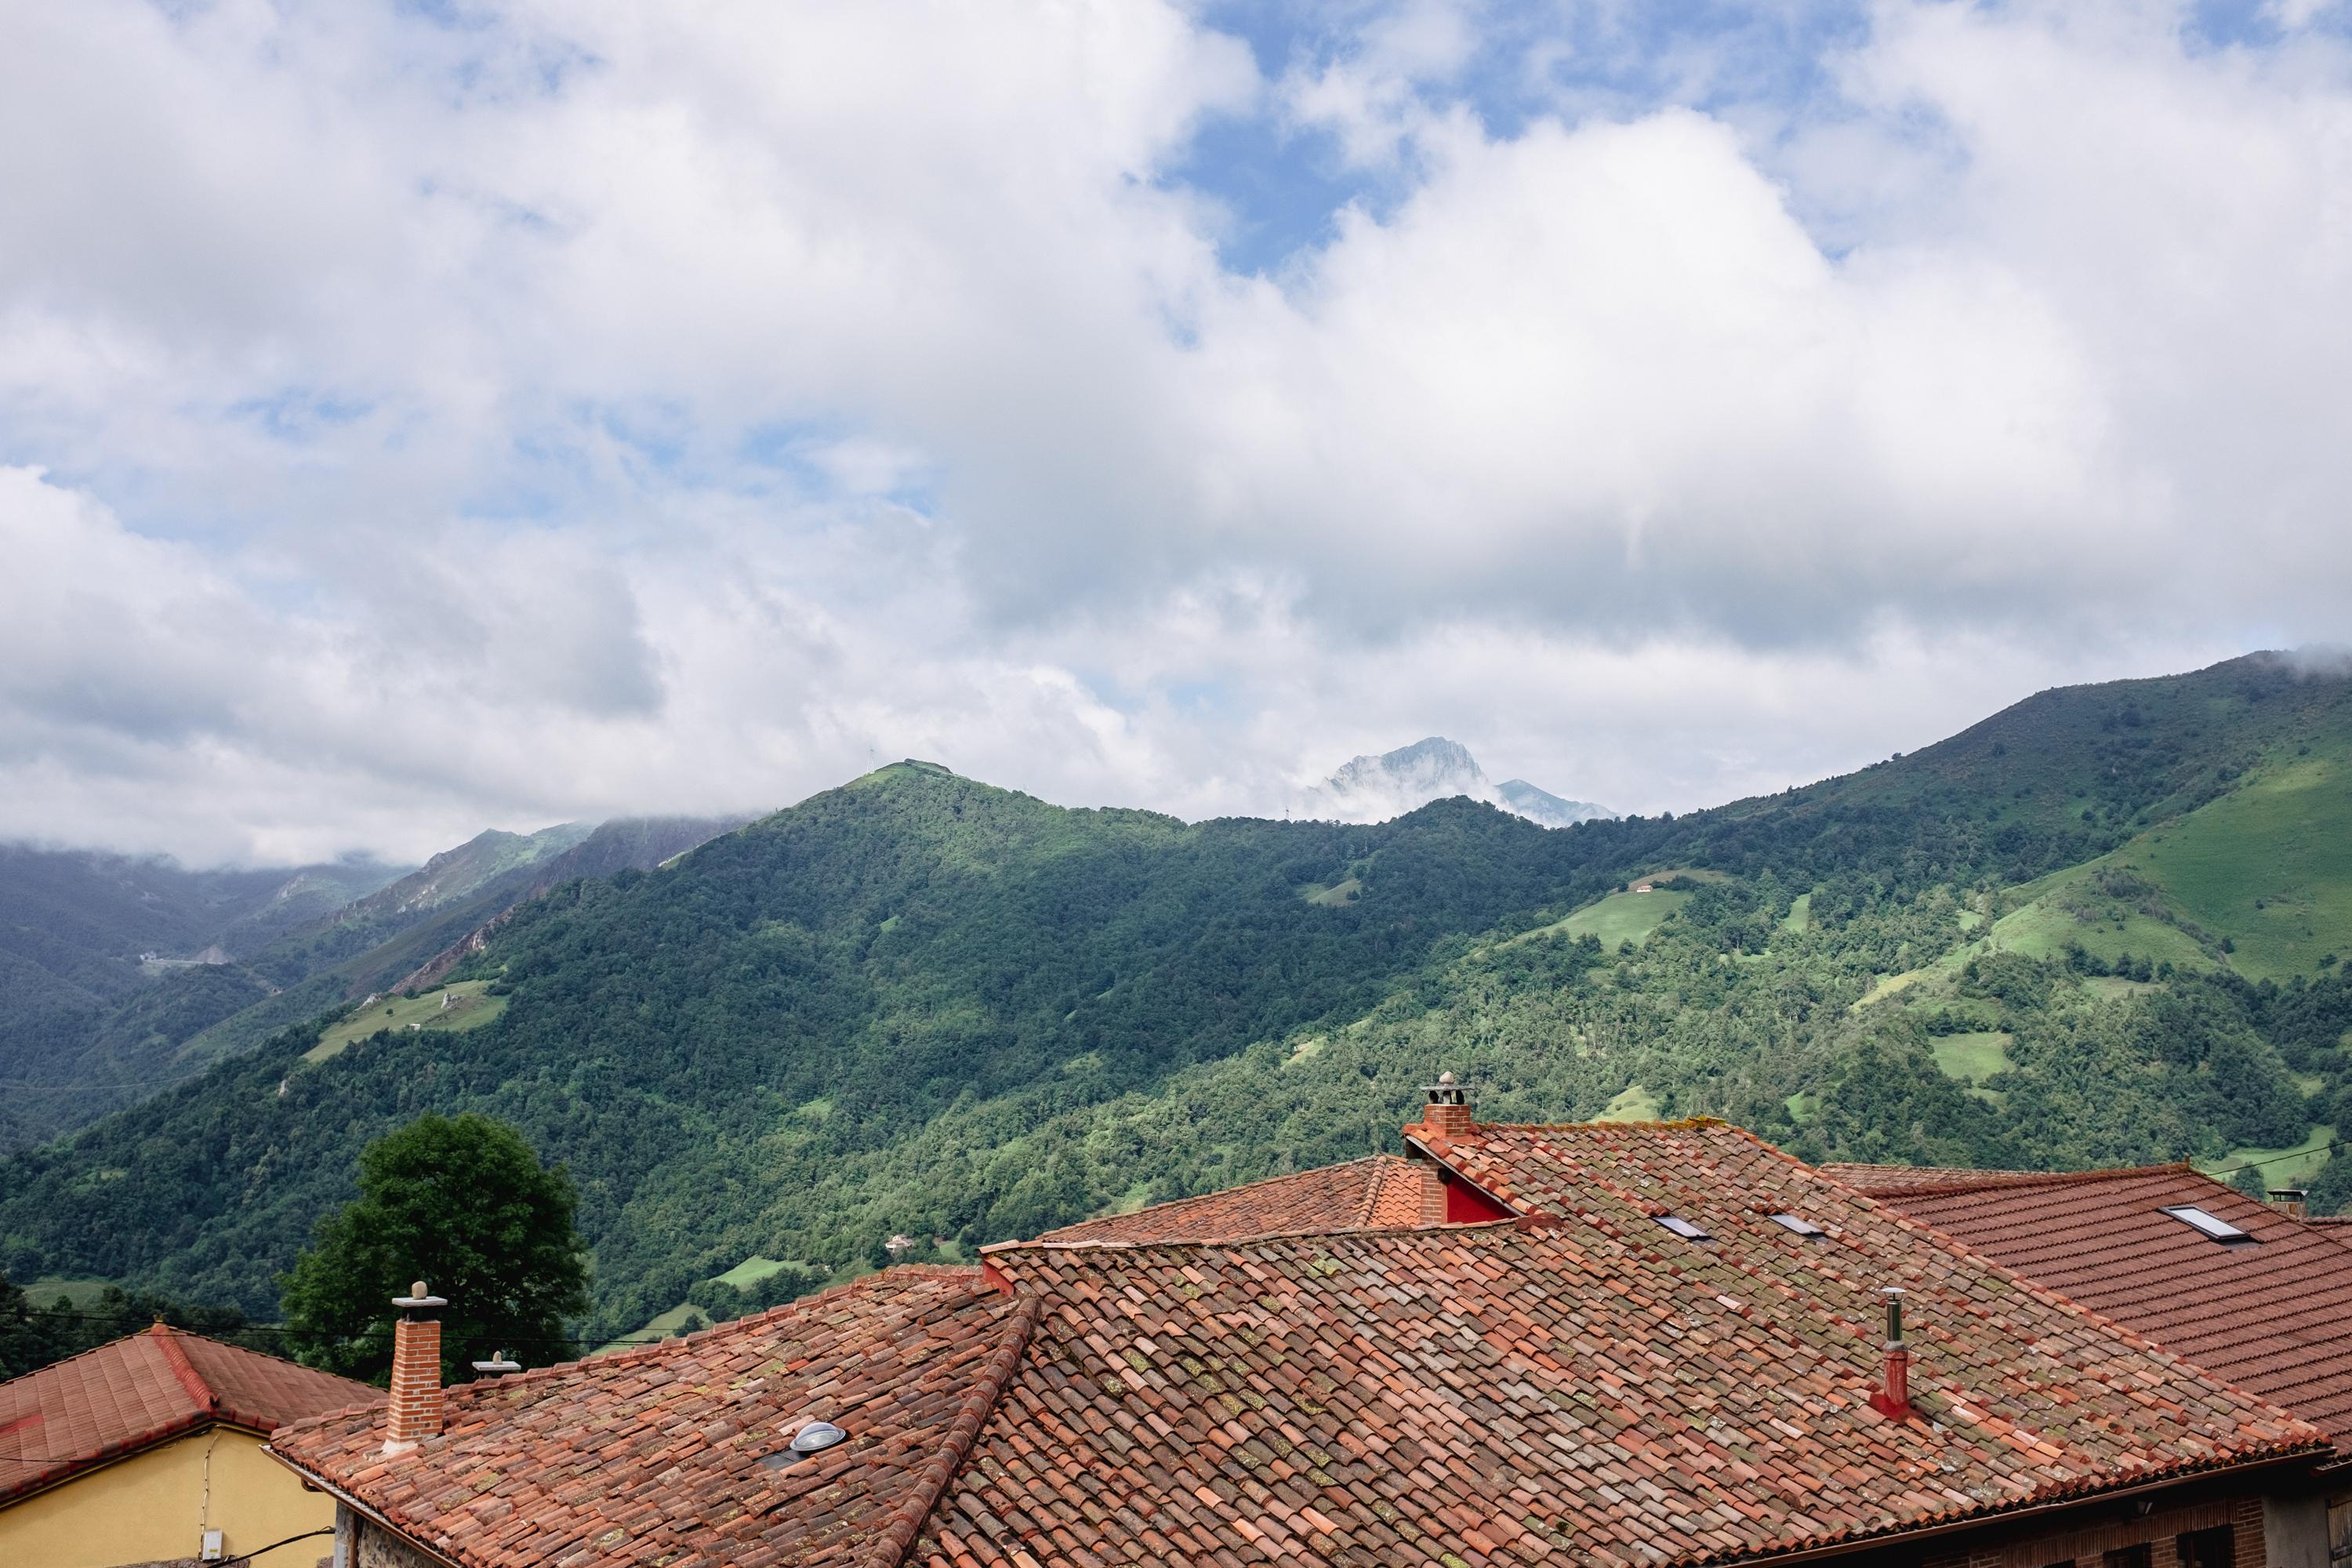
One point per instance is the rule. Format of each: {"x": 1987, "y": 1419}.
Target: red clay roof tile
{"x": 1378, "y": 1189}
{"x": 1579, "y": 1380}
{"x": 1599, "y": 1385}
{"x": 654, "y": 1454}
{"x": 2267, "y": 1317}
{"x": 138, "y": 1390}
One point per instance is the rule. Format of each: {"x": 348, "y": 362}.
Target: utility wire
{"x": 2336, "y": 1147}
{"x": 29, "y": 1085}
{"x": 493, "y": 1340}
{"x": 247, "y": 1557}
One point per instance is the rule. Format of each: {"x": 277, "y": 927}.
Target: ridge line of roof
{"x": 2007, "y": 1180}
{"x": 1673, "y": 1124}
{"x": 1372, "y": 1159}
{"x": 1369, "y": 1205}
{"x": 190, "y": 1380}
{"x": 103, "y": 1345}
{"x": 1349, "y": 1233}
{"x": 906, "y": 1522}
{"x": 942, "y": 1272}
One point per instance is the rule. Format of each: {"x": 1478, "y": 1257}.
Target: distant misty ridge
{"x": 1375, "y": 789}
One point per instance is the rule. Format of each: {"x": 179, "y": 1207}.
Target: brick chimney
{"x": 416, "y": 1370}
{"x": 1448, "y": 1112}
{"x": 1893, "y": 1399}
{"x": 2288, "y": 1200}
{"x": 1448, "y": 1197}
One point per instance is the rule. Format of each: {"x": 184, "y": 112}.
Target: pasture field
{"x": 451, "y": 1009}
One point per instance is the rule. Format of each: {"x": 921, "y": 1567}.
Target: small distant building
{"x": 149, "y": 1450}
{"x": 899, "y": 1246}
{"x": 1645, "y": 887}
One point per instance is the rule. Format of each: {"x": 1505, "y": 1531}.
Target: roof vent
{"x": 496, "y": 1364}
{"x": 1799, "y": 1224}
{"x": 814, "y": 1439}
{"x": 1892, "y": 1399}
{"x": 1684, "y": 1228}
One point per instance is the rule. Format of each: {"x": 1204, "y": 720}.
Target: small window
{"x": 2206, "y": 1548}
{"x": 2140, "y": 1556}
{"x": 1799, "y": 1224}
{"x": 1684, "y": 1228}
{"x": 2215, "y": 1226}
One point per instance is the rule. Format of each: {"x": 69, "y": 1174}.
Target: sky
{"x": 426, "y": 416}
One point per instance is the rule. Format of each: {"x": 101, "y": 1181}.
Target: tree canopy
{"x": 462, "y": 1204}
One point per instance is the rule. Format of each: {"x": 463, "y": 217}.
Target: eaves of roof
{"x": 2025, "y": 1508}
{"x": 52, "y": 1476}
{"x": 129, "y": 1394}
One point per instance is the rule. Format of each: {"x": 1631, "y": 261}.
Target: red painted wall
{"x": 1465, "y": 1205}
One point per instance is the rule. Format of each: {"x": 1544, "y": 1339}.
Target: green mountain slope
{"x": 917, "y": 1005}
{"x": 466, "y": 878}
{"x": 106, "y": 1031}
{"x": 77, "y": 1002}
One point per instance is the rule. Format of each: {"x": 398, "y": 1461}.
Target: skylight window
{"x": 1684, "y": 1228}
{"x": 2211, "y": 1224}
{"x": 1798, "y": 1223}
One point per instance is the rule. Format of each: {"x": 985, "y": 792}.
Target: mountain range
{"x": 119, "y": 976}
{"x": 1376, "y": 788}
{"x": 2105, "y": 926}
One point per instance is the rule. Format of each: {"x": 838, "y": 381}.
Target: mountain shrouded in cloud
{"x": 1375, "y": 789}
{"x": 416, "y": 417}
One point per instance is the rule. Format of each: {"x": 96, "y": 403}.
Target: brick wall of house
{"x": 2082, "y": 1544}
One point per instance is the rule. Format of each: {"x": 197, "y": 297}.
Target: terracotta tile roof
{"x": 138, "y": 1390}
{"x": 2269, "y": 1317}
{"x": 1578, "y": 1380}
{"x": 1589, "y": 1382}
{"x": 1382, "y": 1190}
{"x": 652, "y": 1455}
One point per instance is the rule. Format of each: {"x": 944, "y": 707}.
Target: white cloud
{"x": 591, "y": 407}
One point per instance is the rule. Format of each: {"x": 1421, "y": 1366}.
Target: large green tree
{"x": 464, "y": 1205}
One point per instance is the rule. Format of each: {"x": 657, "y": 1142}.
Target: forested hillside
{"x": 78, "y": 1005}
{"x": 86, "y": 1028}
{"x": 2101, "y": 926}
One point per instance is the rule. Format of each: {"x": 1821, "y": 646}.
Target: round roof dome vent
{"x": 815, "y": 1438}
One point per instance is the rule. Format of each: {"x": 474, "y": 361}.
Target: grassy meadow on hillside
{"x": 453, "y": 1008}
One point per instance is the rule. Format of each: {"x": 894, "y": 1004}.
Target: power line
{"x": 28, "y": 1086}
{"x": 495, "y": 1340}
{"x": 2336, "y": 1147}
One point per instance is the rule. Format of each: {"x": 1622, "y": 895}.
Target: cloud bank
{"x": 413, "y": 421}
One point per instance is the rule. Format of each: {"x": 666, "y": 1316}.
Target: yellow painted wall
{"x": 152, "y": 1506}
